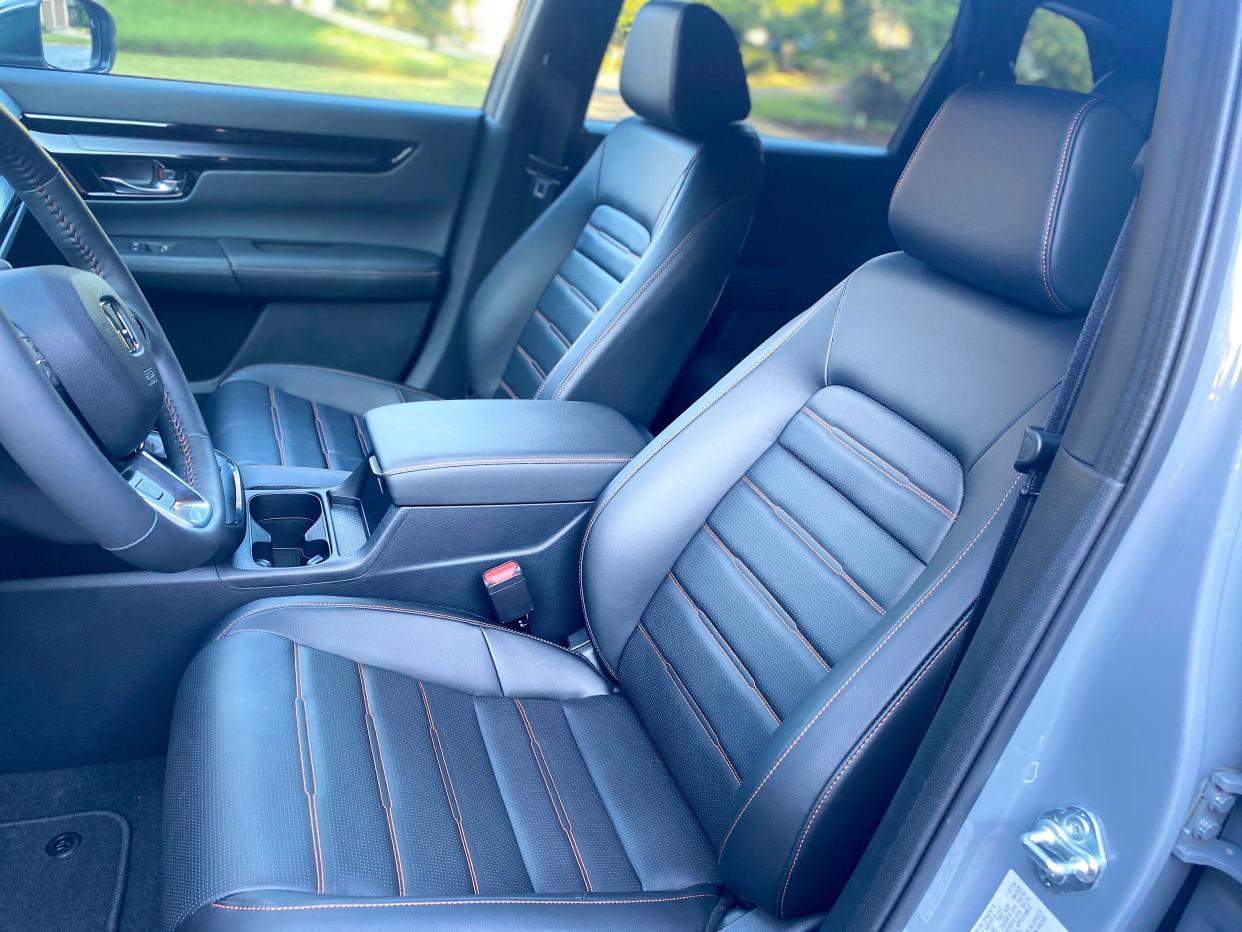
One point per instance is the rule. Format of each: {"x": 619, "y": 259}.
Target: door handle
{"x": 152, "y": 179}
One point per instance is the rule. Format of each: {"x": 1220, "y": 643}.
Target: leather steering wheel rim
{"x": 92, "y": 492}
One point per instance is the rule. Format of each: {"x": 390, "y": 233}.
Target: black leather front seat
{"x": 604, "y": 296}
{"x": 775, "y": 587}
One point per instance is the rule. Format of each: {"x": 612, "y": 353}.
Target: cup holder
{"x": 288, "y": 530}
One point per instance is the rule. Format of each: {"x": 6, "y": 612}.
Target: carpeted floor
{"x": 109, "y": 816}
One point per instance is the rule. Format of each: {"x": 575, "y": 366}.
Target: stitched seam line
{"x": 72, "y": 231}
{"x": 382, "y": 786}
{"x": 849, "y": 762}
{"x": 1056, "y": 198}
{"x": 918, "y": 150}
{"x": 400, "y": 611}
{"x": 811, "y": 544}
{"x": 573, "y": 289}
{"x": 869, "y": 456}
{"x": 500, "y": 461}
{"x": 594, "y": 262}
{"x": 690, "y": 701}
{"x": 554, "y": 794}
{"x": 768, "y": 597}
{"x": 629, "y": 305}
{"x": 182, "y": 440}
{"x": 299, "y": 701}
{"x": 276, "y": 431}
{"x": 530, "y": 361}
{"x": 449, "y": 793}
{"x": 323, "y": 441}
{"x": 922, "y": 600}
{"x": 724, "y": 645}
{"x": 471, "y": 902}
{"x": 508, "y": 391}
{"x": 657, "y": 445}
{"x": 613, "y": 240}
{"x": 362, "y": 437}
{"x": 556, "y": 331}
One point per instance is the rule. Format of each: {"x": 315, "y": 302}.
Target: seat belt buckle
{"x": 545, "y": 177}
{"x": 506, "y": 587}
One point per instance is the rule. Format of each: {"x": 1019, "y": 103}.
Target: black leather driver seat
{"x": 775, "y": 588}
{"x": 604, "y": 296}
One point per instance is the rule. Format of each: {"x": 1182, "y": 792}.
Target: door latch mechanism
{"x": 1067, "y": 847}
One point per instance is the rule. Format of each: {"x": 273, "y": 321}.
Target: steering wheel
{"x": 89, "y": 374}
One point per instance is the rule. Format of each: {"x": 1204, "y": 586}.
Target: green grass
{"x": 262, "y": 44}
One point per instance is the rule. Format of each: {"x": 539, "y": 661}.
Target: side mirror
{"x": 64, "y": 35}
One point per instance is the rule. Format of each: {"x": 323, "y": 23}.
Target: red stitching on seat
{"x": 450, "y": 794}
{"x": 844, "y": 768}
{"x": 873, "y": 459}
{"x": 686, "y": 695}
{"x": 719, "y": 638}
{"x": 922, "y": 600}
{"x": 311, "y": 803}
{"x": 1057, "y": 303}
{"x": 472, "y": 902}
{"x": 381, "y": 774}
{"x": 554, "y": 793}
{"x": 756, "y": 584}
{"x": 811, "y": 544}
{"x": 276, "y": 431}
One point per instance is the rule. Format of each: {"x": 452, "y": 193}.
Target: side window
{"x": 819, "y": 70}
{"x": 429, "y": 51}
{"x": 1054, "y": 54}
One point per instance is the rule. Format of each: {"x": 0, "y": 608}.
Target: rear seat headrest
{"x": 683, "y": 69}
{"x": 1021, "y": 191}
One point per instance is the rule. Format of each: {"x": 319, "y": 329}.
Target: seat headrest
{"x": 683, "y": 69}
{"x": 1020, "y": 191}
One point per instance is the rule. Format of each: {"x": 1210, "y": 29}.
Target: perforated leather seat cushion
{"x": 301, "y": 762}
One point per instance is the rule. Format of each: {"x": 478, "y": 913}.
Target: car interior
{"x": 418, "y": 516}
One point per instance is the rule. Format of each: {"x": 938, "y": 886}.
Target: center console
{"x": 450, "y": 490}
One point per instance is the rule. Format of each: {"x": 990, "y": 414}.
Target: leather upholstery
{"x": 380, "y": 752}
{"x": 1013, "y": 198}
{"x": 776, "y": 584}
{"x": 604, "y": 296}
{"x": 683, "y": 70}
{"x": 499, "y": 452}
{"x": 276, "y": 419}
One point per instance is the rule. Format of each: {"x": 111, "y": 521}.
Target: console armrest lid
{"x": 485, "y": 452}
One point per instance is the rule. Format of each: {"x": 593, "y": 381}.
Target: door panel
{"x": 307, "y": 228}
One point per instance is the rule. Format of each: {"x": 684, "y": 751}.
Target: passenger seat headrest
{"x": 1020, "y": 191}
{"x": 683, "y": 69}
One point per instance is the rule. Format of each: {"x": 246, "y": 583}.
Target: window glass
{"x": 839, "y": 71}
{"x": 1054, "y": 54}
{"x": 431, "y": 51}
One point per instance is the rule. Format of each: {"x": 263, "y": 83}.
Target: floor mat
{"x": 63, "y": 872}
{"x": 133, "y": 790}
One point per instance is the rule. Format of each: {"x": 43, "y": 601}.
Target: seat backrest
{"x": 605, "y": 295}
{"x": 778, "y": 581}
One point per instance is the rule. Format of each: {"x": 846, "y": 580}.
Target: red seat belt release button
{"x": 506, "y": 586}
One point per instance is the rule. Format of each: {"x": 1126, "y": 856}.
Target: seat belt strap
{"x": 546, "y": 164}
{"x": 1040, "y": 444}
